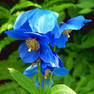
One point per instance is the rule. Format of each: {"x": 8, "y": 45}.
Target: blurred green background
{"x": 78, "y": 56}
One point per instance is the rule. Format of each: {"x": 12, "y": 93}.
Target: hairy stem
{"x": 44, "y": 84}
{"x": 39, "y": 78}
{"x": 49, "y": 83}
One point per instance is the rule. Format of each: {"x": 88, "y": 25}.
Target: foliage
{"x": 25, "y": 82}
{"x": 61, "y": 89}
{"x": 78, "y": 57}
{"x": 12, "y": 88}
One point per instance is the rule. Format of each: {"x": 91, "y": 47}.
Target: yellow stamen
{"x": 32, "y": 44}
{"x": 46, "y": 73}
{"x": 67, "y": 32}
{"x": 29, "y": 50}
{"x": 68, "y": 35}
{"x": 46, "y": 77}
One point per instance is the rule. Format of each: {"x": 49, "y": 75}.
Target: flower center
{"x": 67, "y": 32}
{"x": 32, "y": 44}
{"x": 46, "y": 73}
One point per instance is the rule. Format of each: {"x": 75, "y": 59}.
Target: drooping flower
{"x": 35, "y": 46}
{"x": 75, "y": 23}
{"x": 57, "y": 68}
{"x": 37, "y": 20}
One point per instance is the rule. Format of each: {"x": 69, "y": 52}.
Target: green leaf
{"x": 73, "y": 11}
{"x": 6, "y": 41}
{"x": 24, "y": 5}
{"x": 22, "y": 80}
{"x": 50, "y": 3}
{"x": 86, "y": 4}
{"x": 80, "y": 83}
{"x": 4, "y": 27}
{"x": 4, "y": 13}
{"x": 86, "y": 11}
{"x": 11, "y": 88}
{"x": 11, "y": 61}
{"x": 61, "y": 89}
{"x": 62, "y": 16}
{"x": 61, "y": 7}
{"x": 69, "y": 61}
{"x": 80, "y": 1}
{"x": 69, "y": 80}
{"x": 90, "y": 85}
{"x": 88, "y": 40}
{"x": 8, "y": 24}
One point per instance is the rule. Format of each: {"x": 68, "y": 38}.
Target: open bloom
{"x": 75, "y": 23}
{"x": 35, "y": 46}
{"x": 57, "y": 68}
{"x": 38, "y": 20}
{"x": 35, "y": 27}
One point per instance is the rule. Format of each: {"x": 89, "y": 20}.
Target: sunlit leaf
{"x": 86, "y": 11}
{"x": 24, "y": 5}
{"x": 22, "y": 80}
{"x": 61, "y": 89}
{"x": 87, "y": 4}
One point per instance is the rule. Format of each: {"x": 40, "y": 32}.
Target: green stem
{"x": 44, "y": 84}
{"x": 39, "y": 78}
{"x": 49, "y": 83}
{"x": 54, "y": 48}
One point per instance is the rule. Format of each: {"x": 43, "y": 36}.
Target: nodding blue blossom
{"x": 35, "y": 46}
{"x": 75, "y": 23}
{"x": 45, "y": 22}
{"x": 57, "y": 68}
{"x": 39, "y": 27}
{"x": 38, "y": 20}
{"x": 34, "y": 26}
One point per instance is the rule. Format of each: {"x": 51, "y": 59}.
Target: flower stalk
{"x": 49, "y": 83}
{"x": 43, "y": 84}
{"x": 39, "y": 78}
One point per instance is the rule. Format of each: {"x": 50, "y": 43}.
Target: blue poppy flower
{"x": 37, "y": 20}
{"x": 75, "y": 23}
{"x": 35, "y": 46}
{"x": 57, "y": 68}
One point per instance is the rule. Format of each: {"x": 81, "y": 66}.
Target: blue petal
{"x": 43, "y": 21}
{"x": 46, "y": 82}
{"x": 39, "y": 36}
{"x": 43, "y": 39}
{"x": 46, "y": 53}
{"x": 56, "y": 31}
{"x": 60, "y": 42}
{"x": 18, "y": 33}
{"x": 23, "y": 18}
{"x": 43, "y": 67}
{"x": 26, "y": 27}
{"x": 79, "y": 19}
{"x": 30, "y": 71}
{"x": 27, "y": 57}
{"x": 75, "y": 23}
{"x": 60, "y": 71}
{"x": 63, "y": 27}
{"x": 58, "y": 62}
{"x": 51, "y": 65}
